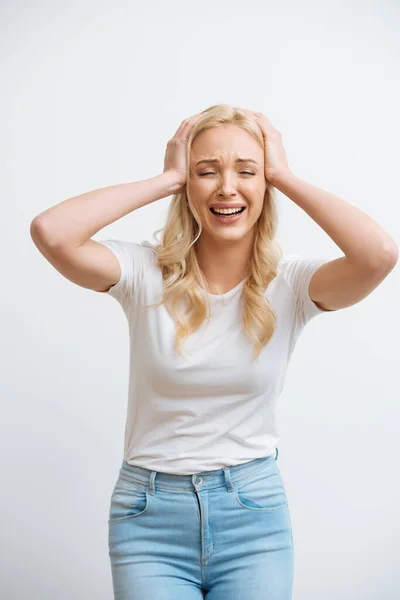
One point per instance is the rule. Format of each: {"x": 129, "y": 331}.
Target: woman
{"x": 214, "y": 311}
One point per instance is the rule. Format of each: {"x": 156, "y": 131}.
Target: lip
{"x": 226, "y": 205}
{"x": 230, "y": 220}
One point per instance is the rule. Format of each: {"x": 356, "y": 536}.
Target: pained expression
{"x": 227, "y": 181}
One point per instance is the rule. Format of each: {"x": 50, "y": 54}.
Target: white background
{"x": 91, "y": 93}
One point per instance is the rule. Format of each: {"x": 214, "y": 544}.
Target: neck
{"x": 224, "y": 264}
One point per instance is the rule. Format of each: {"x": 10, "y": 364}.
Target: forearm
{"x": 360, "y": 238}
{"x": 74, "y": 221}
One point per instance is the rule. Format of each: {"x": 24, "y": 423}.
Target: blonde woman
{"x": 214, "y": 310}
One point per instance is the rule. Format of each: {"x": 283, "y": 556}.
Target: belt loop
{"x": 277, "y": 452}
{"x": 228, "y": 479}
{"x": 151, "y": 482}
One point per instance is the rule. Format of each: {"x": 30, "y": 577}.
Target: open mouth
{"x": 229, "y": 216}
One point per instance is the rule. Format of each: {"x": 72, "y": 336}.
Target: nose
{"x": 227, "y": 187}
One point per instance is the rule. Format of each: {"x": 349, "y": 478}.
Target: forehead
{"x": 226, "y": 143}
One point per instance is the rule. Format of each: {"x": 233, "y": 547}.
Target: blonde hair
{"x": 177, "y": 256}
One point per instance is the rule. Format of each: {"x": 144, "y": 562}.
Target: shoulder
{"x": 148, "y": 249}
{"x": 149, "y": 254}
{"x": 295, "y": 268}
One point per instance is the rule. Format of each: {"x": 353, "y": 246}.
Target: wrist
{"x": 174, "y": 180}
{"x": 281, "y": 177}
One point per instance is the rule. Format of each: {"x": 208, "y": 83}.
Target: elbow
{"x": 39, "y": 232}
{"x": 387, "y": 258}
{"x": 34, "y": 228}
{"x": 391, "y": 254}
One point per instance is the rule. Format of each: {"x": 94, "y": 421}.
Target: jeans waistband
{"x": 202, "y": 480}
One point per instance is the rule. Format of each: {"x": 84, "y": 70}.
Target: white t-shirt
{"x": 216, "y": 407}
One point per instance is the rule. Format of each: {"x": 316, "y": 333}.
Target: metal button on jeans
{"x": 209, "y": 527}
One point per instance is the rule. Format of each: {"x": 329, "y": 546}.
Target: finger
{"x": 195, "y": 116}
{"x": 246, "y": 110}
{"x": 186, "y": 124}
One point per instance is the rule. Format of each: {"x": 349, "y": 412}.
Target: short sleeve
{"x": 297, "y": 272}
{"x": 130, "y": 258}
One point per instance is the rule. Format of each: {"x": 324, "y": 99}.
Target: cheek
{"x": 199, "y": 192}
{"x": 199, "y": 205}
{"x": 257, "y": 208}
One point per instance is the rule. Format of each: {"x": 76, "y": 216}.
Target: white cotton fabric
{"x": 215, "y": 407}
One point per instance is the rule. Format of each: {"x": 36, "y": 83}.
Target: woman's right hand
{"x": 175, "y": 154}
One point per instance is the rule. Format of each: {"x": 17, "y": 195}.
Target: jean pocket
{"x": 263, "y": 491}
{"x": 129, "y": 499}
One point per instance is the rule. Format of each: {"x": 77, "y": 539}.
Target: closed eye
{"x": 212, "y": 173}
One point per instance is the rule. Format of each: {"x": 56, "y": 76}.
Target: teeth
{"x": 227, "y": 211}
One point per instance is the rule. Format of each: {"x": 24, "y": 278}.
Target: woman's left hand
{"x": 275, "y": 155}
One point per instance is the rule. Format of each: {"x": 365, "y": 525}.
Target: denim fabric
{"x": 219, "y": 535}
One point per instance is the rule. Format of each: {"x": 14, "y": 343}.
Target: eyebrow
{"x": 238, "y": 160}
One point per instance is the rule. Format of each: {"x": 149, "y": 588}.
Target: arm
{"x": 74, "y": 221}
{"x": 62, "y": 233}
{"x": 370, "y": 253}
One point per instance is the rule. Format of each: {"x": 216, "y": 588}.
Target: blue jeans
{"x": 219, "y": 535}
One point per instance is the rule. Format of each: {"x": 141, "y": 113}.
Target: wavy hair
{"x": 177, "y": 251}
